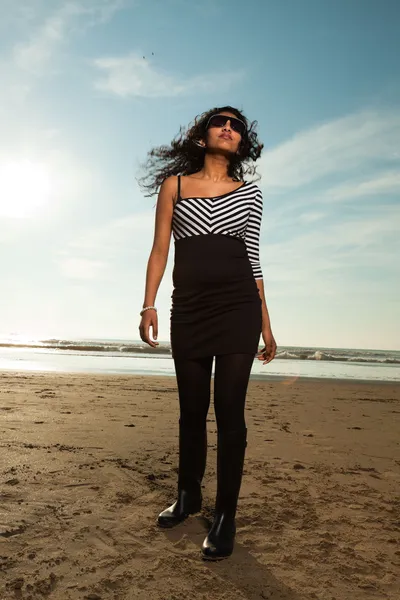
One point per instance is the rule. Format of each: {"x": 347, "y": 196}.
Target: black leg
{"x": 232, "y": 372}
{"x": 194, "y": 383}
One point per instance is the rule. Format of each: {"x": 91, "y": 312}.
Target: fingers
{"x": 271, "y": 351}
{"x": 144, "y": 334}
{"x": 144, "y": 330}
{"x": 267, "y": 353}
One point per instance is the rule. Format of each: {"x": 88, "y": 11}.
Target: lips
{"x": 225, "y": 136}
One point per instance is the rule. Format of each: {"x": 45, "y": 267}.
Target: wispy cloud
{"x": 135, "y": 75}
{"x": 43, "y": 30}
{"x": 331, "y": 208}
{"x": 386, "y": 183}
{"x": 337, "y": 148}
{"x": 110, "y": 248}
{"x": 36, "y": 54}
{"x": 344, "y": 167}
{"x": 80, "y": 268}
{"x": 343, "y": 258}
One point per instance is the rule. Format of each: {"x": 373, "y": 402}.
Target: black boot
{"x": 192, "y": 465}
{"x": 231, "y": 449}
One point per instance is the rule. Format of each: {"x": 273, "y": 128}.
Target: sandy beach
{"x": 88, "y": 461}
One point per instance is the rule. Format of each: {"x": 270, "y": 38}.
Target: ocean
{"x": 135, "y": 357}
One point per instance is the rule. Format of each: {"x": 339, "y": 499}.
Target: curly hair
{"x": 185, "y": 156}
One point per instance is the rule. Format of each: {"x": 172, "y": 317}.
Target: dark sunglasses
{"x": 221, "y": 120}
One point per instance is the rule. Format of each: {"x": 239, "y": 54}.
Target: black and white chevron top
{"x": 237, "y": 213}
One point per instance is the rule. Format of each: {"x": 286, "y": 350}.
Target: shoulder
{"x": 170, "y": 182}
{"x": 169, "y": 188}
{"x": 255, "y": 189}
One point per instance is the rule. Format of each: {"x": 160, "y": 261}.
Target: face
{"x": 223, "y": 137}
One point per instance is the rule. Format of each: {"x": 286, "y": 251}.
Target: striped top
{"x": 237, "y": 214}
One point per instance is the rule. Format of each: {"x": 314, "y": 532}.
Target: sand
{"x": 88, "y": 461}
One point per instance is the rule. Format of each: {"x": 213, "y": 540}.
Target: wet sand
{"x": 88, "y": 461}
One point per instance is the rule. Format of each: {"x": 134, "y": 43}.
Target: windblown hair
{"x": 185, "y": 156}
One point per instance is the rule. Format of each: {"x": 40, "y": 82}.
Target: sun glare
{"x": 24, "y": 187}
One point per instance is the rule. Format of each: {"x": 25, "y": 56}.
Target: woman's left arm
{"x": 268, "y": 352}
{"x": 253, "y": 249}
{"x": 266, "y": 323}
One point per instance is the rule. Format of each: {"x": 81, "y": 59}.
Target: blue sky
{"x": 80, "y": 107}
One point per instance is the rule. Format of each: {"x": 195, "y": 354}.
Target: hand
{"x": 149, "y": 319}
{"x": 268, "y": 352}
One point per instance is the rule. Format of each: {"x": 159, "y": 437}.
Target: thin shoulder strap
{"x": 179, "y": 188}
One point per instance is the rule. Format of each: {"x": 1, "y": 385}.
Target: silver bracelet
{"x": 147, "y": 308}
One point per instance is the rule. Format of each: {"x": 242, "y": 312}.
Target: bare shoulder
{"x": 170, "y": 183}
{"x": 168, "y": 191}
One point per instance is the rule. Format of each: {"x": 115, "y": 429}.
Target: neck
{"x": 215, "y": 168}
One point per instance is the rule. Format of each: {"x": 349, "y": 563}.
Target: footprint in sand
{"x": 11, "y": 532}
{"x": 13, "y": 481}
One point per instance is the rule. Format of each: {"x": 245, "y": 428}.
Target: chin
{"x": 224, "y": 149}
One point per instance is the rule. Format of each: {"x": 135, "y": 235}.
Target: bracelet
{"x": 147, "y": 308}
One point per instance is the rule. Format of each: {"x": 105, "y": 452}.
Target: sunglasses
{"x": 221, "y": 120}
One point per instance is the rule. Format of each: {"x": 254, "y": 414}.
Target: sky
{"x": 90, "y": 86}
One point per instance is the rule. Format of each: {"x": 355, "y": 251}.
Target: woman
{"x": 218, "y": 303}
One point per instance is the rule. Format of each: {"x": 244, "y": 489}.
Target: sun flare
{"x": 24, "y": 187}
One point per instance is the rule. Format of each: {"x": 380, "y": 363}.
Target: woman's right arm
{"x": 158, "y": 257}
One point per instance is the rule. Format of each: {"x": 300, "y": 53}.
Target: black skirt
{"x": 216, "y": 304}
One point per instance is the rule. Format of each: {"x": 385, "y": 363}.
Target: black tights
{"x": 231, "y": 378}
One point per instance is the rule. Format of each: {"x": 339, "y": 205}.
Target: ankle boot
{"x": 231, "y": 448}
{"x": 192, "y": 464}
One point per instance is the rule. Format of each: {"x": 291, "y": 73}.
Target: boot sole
{"x": 215, "y": 558}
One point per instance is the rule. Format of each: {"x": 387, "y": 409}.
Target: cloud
{"x": 344, "y": 258}
{"x": 133, "y": 75}
{"x": 36, "y": 54}
{"x": 331, "y": 214}
{"x": 44, "y": 31}
{"x": 346, "y": 166}
{"x": 387, "y": 183}
{"x": 358, "y": 141}
{"x": 79, "y": 268}
{"x": 122, "y": 244}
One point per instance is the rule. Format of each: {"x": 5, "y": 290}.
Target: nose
{"x": 226, "y": 125}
